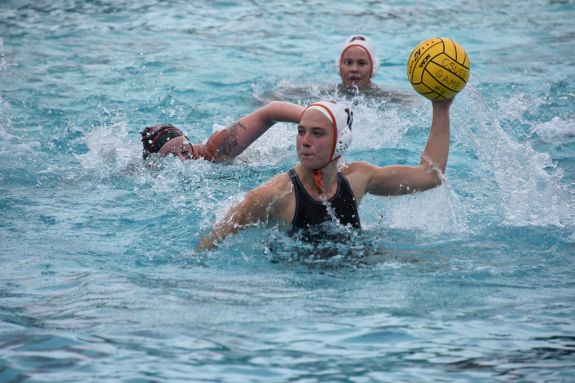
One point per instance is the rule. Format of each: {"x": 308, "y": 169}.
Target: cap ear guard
{"x": 341, "y": 118}
{"x": 344, "y": 138}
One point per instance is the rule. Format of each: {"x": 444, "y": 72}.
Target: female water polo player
{"x": 166, "y": 139}
{"x": 357, "y": 63}
{"x": 318, "y": 190}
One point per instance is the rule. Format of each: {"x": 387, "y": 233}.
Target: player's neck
{"x": 328, "y": 176}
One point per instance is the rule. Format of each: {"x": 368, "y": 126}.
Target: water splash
{"x": 555, "y": 131}
{"x": 435, "y": 211}
{"x": 378, "y": 125}
{"x": 108, "y": 151}
{"x": 529, "y": 184}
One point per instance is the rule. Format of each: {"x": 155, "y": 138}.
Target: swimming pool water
{"x": 99, "y": 279}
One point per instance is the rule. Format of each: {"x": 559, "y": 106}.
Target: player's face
{"x": 355, "y": 67}
{"x": 315, "y": 137}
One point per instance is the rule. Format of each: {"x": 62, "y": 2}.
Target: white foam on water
{"x": 377, "y": 126}
{"x": 434, "y": 211}
{"x": 530, "y": 187}
{"x": 109, "y": 150}
{"x": 556, "y": 130}
{"x": 517, "y": 104}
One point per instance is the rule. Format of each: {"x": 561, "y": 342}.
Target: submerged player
{"x": 224, "y": 145}
{"x": 319, "y": 190}
{"x": 357, "y": 64}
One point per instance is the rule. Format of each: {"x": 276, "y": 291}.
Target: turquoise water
{"x": 99, "y": 280}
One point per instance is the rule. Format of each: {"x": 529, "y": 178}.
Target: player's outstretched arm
{"x": 402, "y": 179}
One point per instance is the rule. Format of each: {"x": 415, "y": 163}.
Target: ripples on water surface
{"x": 472, "y": 281}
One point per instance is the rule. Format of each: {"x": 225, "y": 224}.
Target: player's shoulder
{"x": 276, "y": 186}
{"x": 355, "y": 167}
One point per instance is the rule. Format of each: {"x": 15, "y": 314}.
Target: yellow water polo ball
{"x": 438, "y": 68}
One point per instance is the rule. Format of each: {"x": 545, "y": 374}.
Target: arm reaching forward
{"x": 259, "y": 205}
{"x": 229, "y": 143}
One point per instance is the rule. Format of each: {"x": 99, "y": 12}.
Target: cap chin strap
{"x": 318, "y": 177}
{"x": 318, "y": 180}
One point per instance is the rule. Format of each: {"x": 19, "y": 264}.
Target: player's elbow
{"x": 435, "y": 180}
{"x": 431, "y": 180}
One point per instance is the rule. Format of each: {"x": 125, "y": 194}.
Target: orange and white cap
{"x": 341, "y": 118}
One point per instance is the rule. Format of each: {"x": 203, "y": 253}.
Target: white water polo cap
{"x": 365, "y": 43}
{"x": 341, "y": 118}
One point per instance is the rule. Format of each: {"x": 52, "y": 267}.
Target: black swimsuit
{"x": 310, "y": 212}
